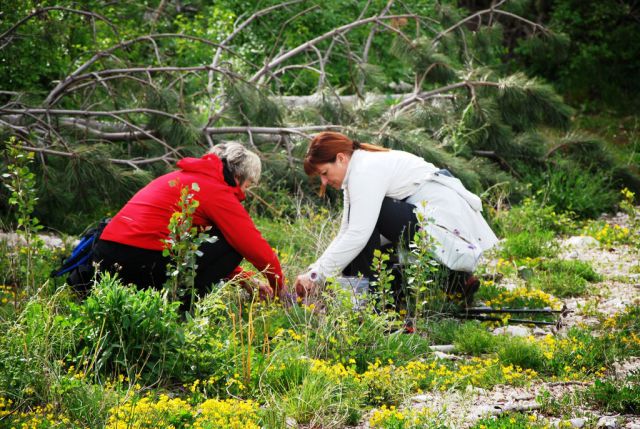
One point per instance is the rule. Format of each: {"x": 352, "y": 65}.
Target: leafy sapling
{"x": 183, "y": 245}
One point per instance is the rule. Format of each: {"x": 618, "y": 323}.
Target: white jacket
{"x": 455, "y": 222}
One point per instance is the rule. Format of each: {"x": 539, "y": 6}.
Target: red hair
{"x": 326, "y": 146}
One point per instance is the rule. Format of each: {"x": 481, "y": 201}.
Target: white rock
{"x": 581, "y": 242}
{"x": 510, "y": 286}
{"x": 446, "y": 348}
{"x": 632, "y": 426}
{"x": 290, "y": 422}
{"x": 608, "y": 422}
{"x": 13, "y": 239}
{"x": 513, "y": 330}
{"x": 577, "y": 422}
{"x": 445, "y": 356}
{"x": 539, "y": 332}
{"x": 420, "y": 398}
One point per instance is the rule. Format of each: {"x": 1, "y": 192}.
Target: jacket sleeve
{"x": 235, "y": 224}
{"x": 366, "y": 190}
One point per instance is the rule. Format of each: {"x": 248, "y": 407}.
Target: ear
{"x": 341, "y": 157}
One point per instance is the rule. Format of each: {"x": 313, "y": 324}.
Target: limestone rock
{"x": 513, "y": 330}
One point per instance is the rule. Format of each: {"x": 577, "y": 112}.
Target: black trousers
{"x": 148, "y": 268}
{"x": 397, "y": 222}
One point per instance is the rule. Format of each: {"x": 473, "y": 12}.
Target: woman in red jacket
{"x": 132, "y": 242}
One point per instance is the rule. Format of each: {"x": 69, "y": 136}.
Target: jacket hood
{"x": 209, "y": 165}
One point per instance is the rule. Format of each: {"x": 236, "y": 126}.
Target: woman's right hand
{"x": 304, "y": 286}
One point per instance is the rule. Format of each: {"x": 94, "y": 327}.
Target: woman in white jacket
{"x": 383, "y": 192}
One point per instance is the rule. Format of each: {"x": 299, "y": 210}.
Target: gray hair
{"x": 243, "y": 164}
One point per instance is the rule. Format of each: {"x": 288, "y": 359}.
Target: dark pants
{"x": 397, "y": 222}
{"x": 148, "y": 268}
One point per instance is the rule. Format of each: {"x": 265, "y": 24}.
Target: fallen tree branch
{"x": 57, "y": 92}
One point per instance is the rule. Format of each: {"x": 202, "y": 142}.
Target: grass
{"x": 127, "y": 357}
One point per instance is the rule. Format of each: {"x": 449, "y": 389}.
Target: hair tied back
{"x": 356, "y": 145}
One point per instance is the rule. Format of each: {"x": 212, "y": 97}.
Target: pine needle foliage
{"x": 332, "y": 110}
{"x": 177, "y": 133}
{"x": 425, "y": 59}
{"x": 528, "y": 103}
{"x": 249, "y": 105}
{"x": 75, "y": 189}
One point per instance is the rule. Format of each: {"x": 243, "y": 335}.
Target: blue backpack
{"x": 79, "y": 265}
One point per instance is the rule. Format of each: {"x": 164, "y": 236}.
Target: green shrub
{"x": 442, "y": 331}
{"x": 521, "y": 352}
{"x": 532, "y": 215}
{"x": 560, "y": 284}
{"x": 564, "y": 278}
{"x": 612, "y": 396}
{"x": 83, "y": 401}
{"x": 509, "y": 421}
{"x": 586, "y": 192}
{"x": 473, "y": 338}
{"x": 529, "y": 245}
{"x": 32, "y": 349}
{"x": 129, "y": 331}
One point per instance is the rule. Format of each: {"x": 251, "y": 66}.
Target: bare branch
{"x": 125, "y": 71}
{"x": 367, "y": 45}
{"x": 304, "y": 46}
{"x": 491, "y": 11}
{"x": 112, "y": 113}
{"x": 135, "y": 162}
{"x": 56, "y": 92}
{"x": 287, "y": 22}
{"x": 272, "y": 130}
{"x": 245, "y": 23}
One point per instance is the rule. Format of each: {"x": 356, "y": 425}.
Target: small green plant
{"x": 32, "y": 349}
{"x": 564, "y": 278}
{"x": 474, "y": 339}
{"x": 393, "y": 418}
{"x": 182, "y": 247}
{"x": 425, "y": 280}
{"x": 21, "y": 183}
{"x": 613, "y": 396}
{"x": 529, "y": 245}
{"x": 628, "y": 206}
{"x": 510, "y": 421}
{"x": 521, "y": 352}
{"x": 129, "y": 331}
{"x": 596, "y": 193}
{"x": 383, "y": 280}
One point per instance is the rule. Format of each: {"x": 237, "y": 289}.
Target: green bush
{"x": 532, "y": 215}
{"x": 529, "y": 245}
{"x": 473, "y": 338}
{"x": 585, "y": 191}
{"x": 564, "y": 278}
{"x": 32, "y": 349}
{"x": 509, "y": 421}
{"x": 616, "y": 396}
{"x": 521, "y": 352}
{"x": 129, "y": 331}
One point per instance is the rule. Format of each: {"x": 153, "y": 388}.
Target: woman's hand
{"x": 264, "y": 290}
{"x": 305, "y": 287}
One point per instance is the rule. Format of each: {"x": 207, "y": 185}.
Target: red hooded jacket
{"x": 143, "y": 221}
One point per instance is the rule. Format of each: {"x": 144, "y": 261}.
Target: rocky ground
{"x": 620, "y": 287}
